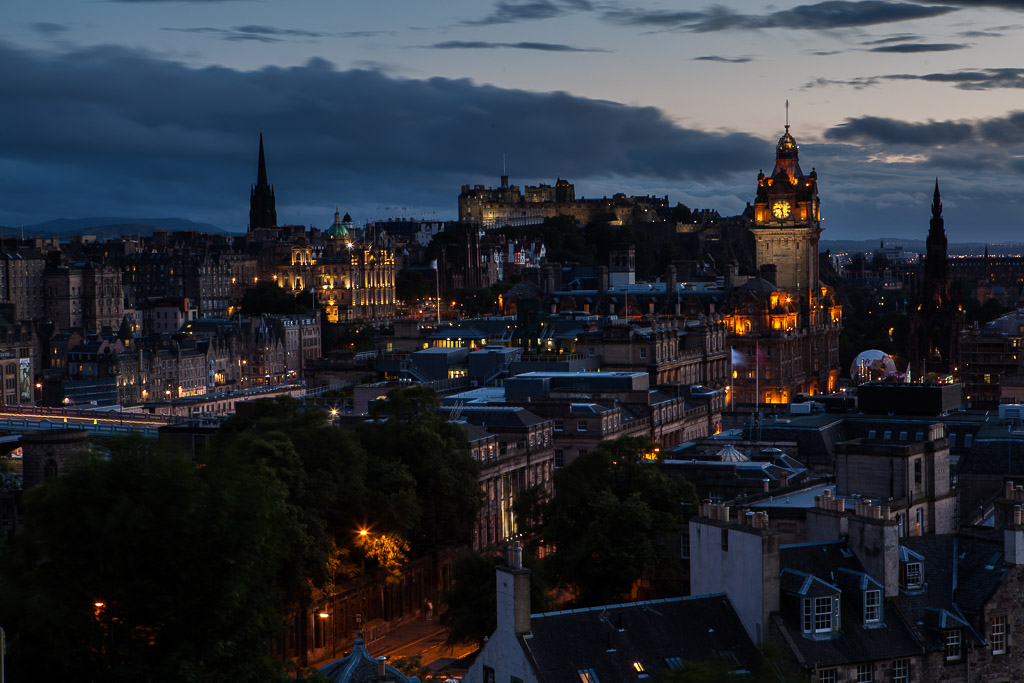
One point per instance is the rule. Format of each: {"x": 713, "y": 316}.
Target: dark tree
{"x": 147, "y": 570}
{"x": 411, "y": 286}
{"x": 470, "y": 606}
{"x": 408, "y": 435}
{"x": 614, "y": 520}
{"x": 267, "y": 297}
{"x": 322, "y": 470}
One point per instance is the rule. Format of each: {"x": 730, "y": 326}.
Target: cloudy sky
{"x": 153, "y": 108}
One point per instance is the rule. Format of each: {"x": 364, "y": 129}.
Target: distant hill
{"x": 108, "y": 227}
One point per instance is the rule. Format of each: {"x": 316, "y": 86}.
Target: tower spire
{"x": 262, "y": 206}
{"x": 787, "y": 114}
{"x": 261, "y": 172}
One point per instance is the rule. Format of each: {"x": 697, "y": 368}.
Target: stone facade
{"x": 47, "y": 455}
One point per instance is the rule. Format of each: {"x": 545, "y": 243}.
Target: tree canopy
{"x": 268, "y": 297}
{"x": 134, "y": 569}
{"x": 614, "y": 520}
{"x": 420, "y": 456}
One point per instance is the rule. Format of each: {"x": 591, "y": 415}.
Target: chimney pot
{"x": 381, "y": 670}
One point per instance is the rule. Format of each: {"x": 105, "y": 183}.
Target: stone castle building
{"x": 510, "y": 205}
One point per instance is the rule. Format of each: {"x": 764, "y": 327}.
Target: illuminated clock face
{"x": 780, "y": 209}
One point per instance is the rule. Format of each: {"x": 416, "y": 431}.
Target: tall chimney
{"x": 513, "y": 583}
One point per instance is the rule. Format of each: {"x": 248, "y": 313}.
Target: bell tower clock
{"x": 787, "y": 220}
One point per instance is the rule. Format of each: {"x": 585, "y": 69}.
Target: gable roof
{"x": 611, "y": 639}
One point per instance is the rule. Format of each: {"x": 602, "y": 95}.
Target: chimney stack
{"x": 513, "y": 583}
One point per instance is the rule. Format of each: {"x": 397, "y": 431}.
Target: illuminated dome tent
{"x": 871, "y": 366}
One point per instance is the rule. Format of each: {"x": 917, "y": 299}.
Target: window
{"x": 581, "y": 426}
{"x": 901, "y": 671}
{"x": 559, "y": 457}
{"x": 827, "y": 676}
{"x": 920, "y": 521}
{"x": 872, "y": 606}
{"x": 822, "y": 614}
{"x": 674, "y": 663}
{"x": 488, "y": 674}
{"x": 997, "y": 635}
{"x": 917, "y": 471}
{"x": 865, "y": 673}
{"x": 559, "y": 425}
{"x": 515, "y": 679}
{"x": 953, "y": 645}
{"x": 725, "y": 540}
{"x": 643, "y": 352}
{"x": 684, "y": 545}
{"x": 586, "y": 676}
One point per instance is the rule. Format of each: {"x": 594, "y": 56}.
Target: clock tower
{"x": 787, "y": 222}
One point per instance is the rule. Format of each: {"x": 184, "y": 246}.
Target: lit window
{"x": 587, "y": 676}
{"x": 997, "y": 635}
{"x": 953, "y": 645}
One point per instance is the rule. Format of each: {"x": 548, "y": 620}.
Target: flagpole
{"x": 757, "y": 377}
{"x": 437, "y": 281}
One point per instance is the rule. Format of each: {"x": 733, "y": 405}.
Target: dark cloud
{"x": 48, "y": 28}
{"x": 191, "y": 2}
{"x": 982, "y": 79}
{"x": 509, "y": 11}
{"x": 832, "y": 14}
{"x": 727, "y": 60}
{"x": 875, "y": 129}
{"x": 993, "y": 136}
{"x": 980, "y": 34}
{"x": 908, "y": 48}
{"x": 901, "y": 38}
{"x": 1016, "y": 5}
{"x": 268, "y": 34}
{"x": 826, "y": 53}
{"x": 106, "y": 131}
{"x": 482, "y": 45}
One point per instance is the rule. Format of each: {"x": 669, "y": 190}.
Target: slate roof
{"x": 498, "y": 417}
{"x": 610, "y": 639}
{"x": 833, "y": 563}
{"x": 970, "y": 569}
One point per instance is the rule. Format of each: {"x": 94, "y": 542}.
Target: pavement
{"x": 422, "y": 637}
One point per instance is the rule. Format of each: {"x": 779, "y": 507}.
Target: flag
{"x": 761, "y": 358}
{"x": 738, "y": 358}
{"x": 433, "y": 264}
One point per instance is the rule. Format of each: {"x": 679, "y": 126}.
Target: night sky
{"x": 153, "y": 108}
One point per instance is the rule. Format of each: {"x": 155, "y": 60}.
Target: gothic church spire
{"x": 262, "y": 205}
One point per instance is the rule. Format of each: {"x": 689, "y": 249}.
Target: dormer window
{"x": 872, "y": 606}
{"x": 912, "y": 574}
{"x": 820, "y": 614}
{"x": 953, "y": 643}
